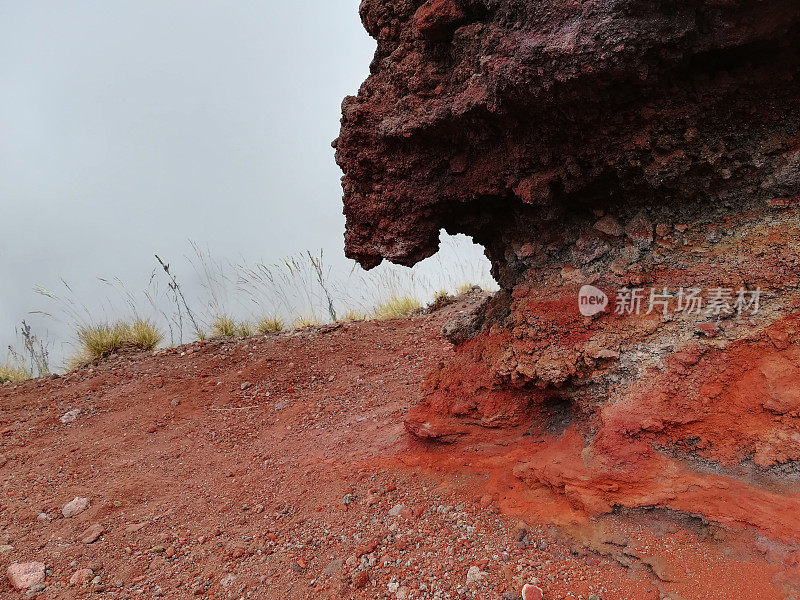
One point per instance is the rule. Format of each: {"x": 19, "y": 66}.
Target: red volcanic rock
{"x": 360, "y": 579}
{"x": 650, "y": 150}
{"x": 532, "y": 592}
{"x": 436, "y": 19}
{"x": 509, "y": 121}
{"x": 23, "y": 576}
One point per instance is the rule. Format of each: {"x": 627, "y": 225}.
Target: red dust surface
{"x": 280, "y": 467}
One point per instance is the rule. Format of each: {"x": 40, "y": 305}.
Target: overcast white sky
{"x": 128, "y": 128}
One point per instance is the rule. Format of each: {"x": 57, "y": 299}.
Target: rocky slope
{"x": 279, "y": 467}
{"x": 648, "y": 149}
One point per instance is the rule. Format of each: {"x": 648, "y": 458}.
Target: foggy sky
{"x": 130, "y": 128}
{"x": 127, "y": 128}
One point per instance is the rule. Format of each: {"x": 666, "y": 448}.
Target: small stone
{"x": 588, "y": 248}
{"x": 436, "y": 19}
{"x": 663, "y": 230}
{"x": 395, "y": 512}
{"x": 43, "y": 517}
{"x": 6, "y": 549}
{"x": 486, "y": 500}
{"x": 348, "y": 499}
{"x": 532, "y": 592}
{"x": 95, "y": 566}
{"x": 640, "y": 230}
{"x": 610, "y": 226}
{"x": 708, "y": 329}
{"x": 360, "y": 579}
{"x": 174, "y": 403}
{"x": 474, "y": 574}
{"x": 629, "y": 255}
{"x": 24, "y": 576}
{"x": 81, "y": 576}
{"x": 158, "y": 550}
{"x": 75, "y": 507}
{"x": 245, "y": 385}
{"x": 70, "y": 416}
{"x": 92, "y": 533}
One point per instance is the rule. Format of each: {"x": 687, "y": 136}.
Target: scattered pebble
{"x": 70, "y": 416}
{"x": 474, "y": 574}
{"x": 75, "y": 507}
{"x": 24, "y": 576}
{"x": 360, "y": 579}
{"x": 91, "y": 533}
{"x": 532, "y": 592}
{"x": 81, "y": 576}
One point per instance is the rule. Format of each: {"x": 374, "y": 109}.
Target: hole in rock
{"x": 459, "y": 262}
{"x": 557, "y": 414}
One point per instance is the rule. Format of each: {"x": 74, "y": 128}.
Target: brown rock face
{"x": 511, "y": 120}
{"x": 634, "y": 145}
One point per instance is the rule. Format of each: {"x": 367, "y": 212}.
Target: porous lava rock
{"x": 628, "y": 144}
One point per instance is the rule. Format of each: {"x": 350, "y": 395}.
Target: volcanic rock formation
{"x": 646, "y": 148}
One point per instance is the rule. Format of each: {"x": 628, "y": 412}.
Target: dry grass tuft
{"x": 223, "y": 327}
{"x": 144, "y": 335}
{"x": 98, "y": 341}
{"x": 397, "y": 307}
{"x": 13, "y": 374}
{"x": 441, "y": 296}
{"x": 466, "y": 288}
{"x": 440, "y": 300}
{"x": 244, "y": 329}
{"x": 305, "y": 322}
{"x": 80, "y": 360}
{"x": 226, "y": 327}
{"x": 267, "y": 325}
{"x": 353, "y": 315}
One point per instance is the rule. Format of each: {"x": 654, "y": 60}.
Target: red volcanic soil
{"x": 279, "y": 467}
